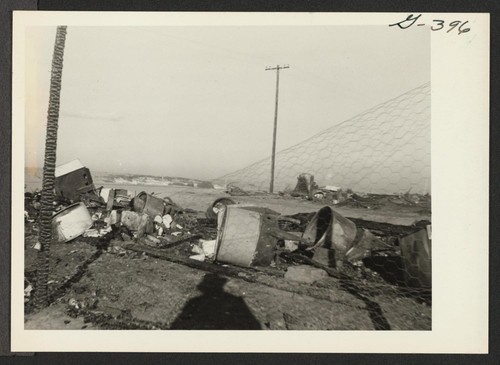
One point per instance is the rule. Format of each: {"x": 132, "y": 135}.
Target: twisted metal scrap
{"x": 47, "y": 198}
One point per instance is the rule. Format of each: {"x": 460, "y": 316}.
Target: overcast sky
{"x": 197, "y": 102}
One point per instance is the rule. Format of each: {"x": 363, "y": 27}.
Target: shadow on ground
{"x": 215, "y": 309}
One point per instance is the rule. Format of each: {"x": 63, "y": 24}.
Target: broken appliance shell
{"x": 71, "y": 222}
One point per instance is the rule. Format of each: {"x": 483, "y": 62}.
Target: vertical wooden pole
{"x": 273, "y": 158}
{"x": 271, "y": 188}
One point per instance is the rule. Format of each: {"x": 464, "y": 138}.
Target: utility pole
{"x": 277, "y": 68}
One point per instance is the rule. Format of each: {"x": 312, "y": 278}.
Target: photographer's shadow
{"x": 215, "y": 309}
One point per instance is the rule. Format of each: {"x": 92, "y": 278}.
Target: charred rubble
{"x": 231, "y": 238}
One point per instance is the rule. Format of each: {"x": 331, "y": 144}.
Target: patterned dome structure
{"x": 386, "y": 150}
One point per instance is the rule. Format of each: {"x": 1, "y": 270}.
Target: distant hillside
{"x": 103, "y": 178}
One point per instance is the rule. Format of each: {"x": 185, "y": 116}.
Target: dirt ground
{"x": 99, "y": 284}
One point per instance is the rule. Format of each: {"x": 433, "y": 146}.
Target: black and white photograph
{"x": 231, "y": 177}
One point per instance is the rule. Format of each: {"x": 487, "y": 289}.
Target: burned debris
{"x": 307, "y": 188}
{"x": 233, "y": 239}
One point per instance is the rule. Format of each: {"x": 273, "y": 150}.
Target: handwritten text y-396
{"x": 437, "y": 24}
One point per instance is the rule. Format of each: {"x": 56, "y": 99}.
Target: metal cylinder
{"x": 331, "y": 230}
{"x": 151, "y": 205}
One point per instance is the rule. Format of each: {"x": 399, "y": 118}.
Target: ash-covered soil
{"x": 102, "y": 283}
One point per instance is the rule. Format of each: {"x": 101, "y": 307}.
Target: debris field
{"x": 243, "y": 261}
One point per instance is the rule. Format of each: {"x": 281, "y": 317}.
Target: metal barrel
{"x": 151, "y": 205}
{"x": 330, "y": 229}
{"x": 247, "y": 236}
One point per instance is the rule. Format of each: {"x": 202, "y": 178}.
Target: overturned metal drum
{"x": 149, "y": 204}
{"x": 247, "y": 236}
{"x": 71, "y": 222}
{"x": 331, "y": 230}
